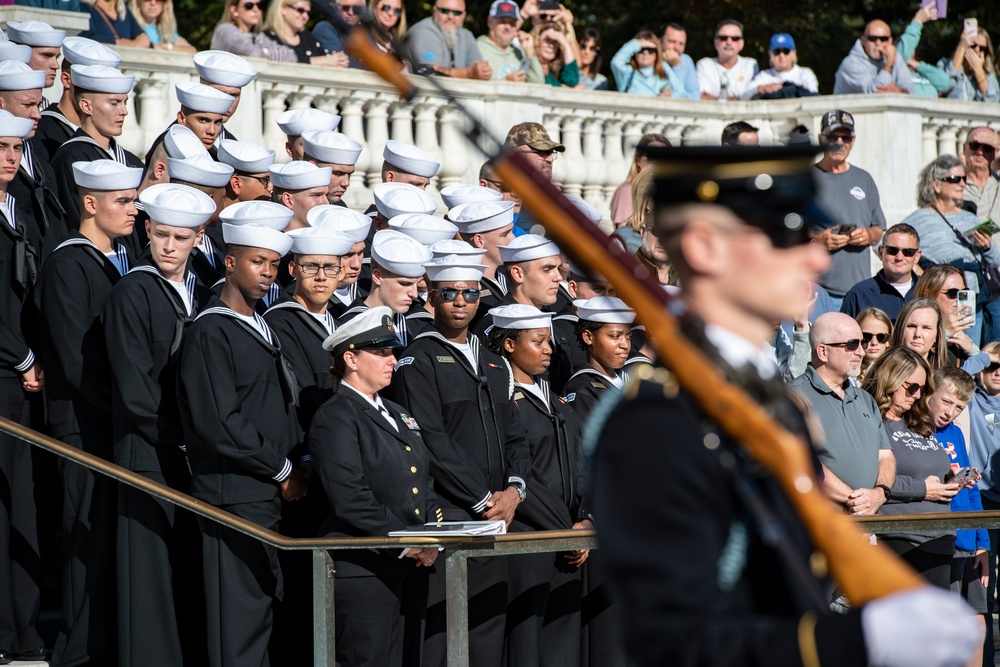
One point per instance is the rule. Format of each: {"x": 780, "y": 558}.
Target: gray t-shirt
{"x": 850, "y": 198}
{"x": 426, "y": 45}
{"x": 852, "y": 429}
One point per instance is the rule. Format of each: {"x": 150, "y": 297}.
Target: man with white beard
{"x": 442, "y": 44}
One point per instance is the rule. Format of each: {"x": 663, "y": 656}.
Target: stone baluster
{"x": 593, "y": 162}
{"x": 152, "y": 107}
{"x": 615, "y": 165}
{"x": 425, "y": 137}
{"x": 299, "y": 100}
{"x": 631, "y": 137}
{"x": 948, "y": 139}
{"x": 377, "y": 133}
{"x": 454, "y": 145}
{"x": 352, "y": 124}
{"x": 573, "y": 168}
{"x": 928, "y": 140}
{"x": 273, "y": 138}
{"x": 694, "y": 133}
{"x": 401, "y": 122}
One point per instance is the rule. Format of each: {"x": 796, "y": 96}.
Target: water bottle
{"x": 724, "y": 88}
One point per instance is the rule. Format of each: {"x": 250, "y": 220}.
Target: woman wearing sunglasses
{"x": 942, "y": 283}
{"x": 239, "y": 32}
{"x": 876, "y": 330}
{"x": 785, "y": 78}
{"x": 639, "y": 70}
{"x": 900, "y": 382}
{"x": 286, "y": 24}
{"x": 388, "y": 24}
{"x": 972, "y": 69}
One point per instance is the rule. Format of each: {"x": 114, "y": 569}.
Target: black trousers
{"x": 543, "y": 616}
{"x": 20, "y": 559}
{"x": 602, "y": 633}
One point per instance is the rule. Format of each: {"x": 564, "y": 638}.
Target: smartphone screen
{"x": 971, "y": 27}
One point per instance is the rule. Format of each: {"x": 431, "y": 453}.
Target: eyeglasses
{"x": 954, "y": 180}
{"x": 992, "y": 368}
{"x": 981, "y": 47}
{"x": 263, "y": 180}
{"x": 547, "y": 16}
{"x": 450, "y": 12}
{"x": 590, "y": 47}
{"x": 249, "y": 6}
{"x": 301, "y": 10}
{"x": 544, "y": 155}
{"x": 781, "y": 52}
{"x": 329, "y": 270}
{"x": 878, "y": 38}
{"x": 357, "y": 10}
{"x": 648, "y": 50}
{"x": 866, "y": 338}
{"x": 849, "y": 345}
{"x": 951, "y": 293}
{"x": 839, "y": 138}
{"x": 892, "y": 251}
{"x": 449, "y": 294}
{"x": 729, "y": 38}
{"x": 985, "y": 148}
{"x": 396, "y": 11}
{"x": 912, "y": 388}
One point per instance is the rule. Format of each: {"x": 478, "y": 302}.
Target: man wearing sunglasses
{"x": 982, "y": 186}
{"x": 441, "y": 43}
{"x": 727, "y": 76}
{"x": 329, "y": 34}
{"x": 872, "y": 66}
{"x": 896, "y": 283}
{"x": 784, "y": 78}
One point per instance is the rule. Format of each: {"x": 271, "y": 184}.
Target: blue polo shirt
{"x": 877, "y": 292}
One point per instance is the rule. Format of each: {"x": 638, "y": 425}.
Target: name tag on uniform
{"x": 518, "y": 396}
{"x": 483, "y": 293}
{"x": 410, "y": 422}
{"x": 445, "y": 359}
{"x": 598, "y": 385}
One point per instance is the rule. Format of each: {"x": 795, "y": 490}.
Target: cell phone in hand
{"x": 967, "y": 304}
{"x": 962, "y": 476}
{"x": 971, "y": 28}
{"x": 525, "y": 65}
{"x": 845, "y": 230}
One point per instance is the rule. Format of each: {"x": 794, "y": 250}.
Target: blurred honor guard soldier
{"x": 487, "y": 225}
{"x": 21, "y": 94}
{"x": 202, "y": 110}
{"x": 406, "y": 163}
{"x": 460, "y": 393}
{"x": 143, "y": 320}
{"x": 356, "y": 226}
{"x": 326, "y": 148}
{"x": 371, "y": 458}
{"x": 44, "y": 41}
{"x": 21, "y": 380}
{"x": 227, "y": 73}
{"x": 237, "y": 402}
{"x": 101, "y": 98}
{"x": 678, "y": 554}
{"x": 73, "y": 285}
{"x": 60, "y": 119}
{"x": 295, "y": 122}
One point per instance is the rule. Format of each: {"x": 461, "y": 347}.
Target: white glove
{"x": 927, "y": 626}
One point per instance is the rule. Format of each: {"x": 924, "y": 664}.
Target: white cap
{"x": 320, "y": 241}
{"x": 456, "y": 195}
{"x": 101, "y": 79}
{"x": 341, "y": 219}
{"x": 392, "y": 199}
{"x": 83, "y": 51}
{"x": 296, "y": 122}
{"x": 12, "y": 51}
{"x": 425, "y": 228}
{"x": 177, "y": 205}
{"x": 409, "y": 158}
{"x": 526, "y": 248}
{"x": 330, "y": 147}
{"x": 456, "y": 247}
{"x": 520, "y": 316}
{"x": 35, "y": 33}
{"x": 257, "y": 236}
{"x": 199, "y": 97}
{"x": 256, "y": 212}
{"x": 246, "y": 156}
{"x": 300, "y": 175}
{"x": 592, "y": 213}
{"x": 106, "y": 175}
{"x": 223, "y": 68}
{"x": 15, "y": 75}
{"x": 181, "y": 142}
{"x": 200, "y": 170}
{"x": 609, "y": 309}
{"x": 14, "y": 126}
{"x": 455, "y": 267}
{"x": 369, "y": 329}
{"x": 482, "y": 216}
{"x": 400, "y": 254}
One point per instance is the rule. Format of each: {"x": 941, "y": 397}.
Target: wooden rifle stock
{"x": 861, "y": 571}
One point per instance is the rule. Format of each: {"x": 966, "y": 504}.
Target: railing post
{"x": 456, "y": 581}
{"x": 324, "y": 629}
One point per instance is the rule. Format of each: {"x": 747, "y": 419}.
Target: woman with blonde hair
{"x": 555, "y": 54}
{"x": 638, "y": 68}
{"x": 920, "y": 328}
{"x": 387, "y": 24}
{"x": 157, "y": 19}
{"x": 621, "y": 202}
{"x": 876, "y": 331}
{"x": 239, "y": 32}
{"x": 972, "y": 69}
{"x": 111, "y": 22}
{"x": 942, "y": 283}
{"x": 629, "y": 232}
{"x": 285, "y": 23}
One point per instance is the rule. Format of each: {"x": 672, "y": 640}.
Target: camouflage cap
{"x": 533, "y": 135}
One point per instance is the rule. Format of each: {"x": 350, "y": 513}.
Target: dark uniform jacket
{"x": 378, "y": 479}
{"x": 585, "y": 388}
{"x": 209, "y": 270}
{"x": 490, "y": 294}
{"x": 237, "y": 403}
{"x": 35, "y": 191}
{"x": 53, "y": 131}
{"x": 471, "y": 426}
{"x": 408, "y": 325}
{"x": 20, "y": 258}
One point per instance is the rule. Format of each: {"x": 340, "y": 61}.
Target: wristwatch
{"x": 885, "y": 490}
{"x": 521, "y": 493}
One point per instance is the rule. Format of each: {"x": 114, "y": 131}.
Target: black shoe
{"x": 40, "y": 654}
{"x": 4, "y": 657}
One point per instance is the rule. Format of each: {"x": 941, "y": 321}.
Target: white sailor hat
{"x": 35, "y": 33}
{"x": 177, "y": 205}
{"x": 13, "y": 126}
{"x": 456, "y": 195}
{"x": 341, "y": 219}
{"x": 199, "y": 97}
{"x": 482, "y": 216}
{"x": 320, "y": 241}
{"x": 456, "y": 247}
{"x": 425, "y": 228}
{"x": 106, "y": 175}
{"x": 256, "y": 212}
{"x": 526, "y": 248}
{"x": 609, "y": 309}
{"x": 83, "y": 51}
{"x": 520, "y": 316}
{"x": 370, "y": 330}
{"x": 400, "y": 254}
{"x": 392, "y": 199}
{"x": 12, "y": 51}
{"x": 330, "y": 147}
{"x": 246, "y": 156}
{"x": 455, "y": 267}
{"x": 296, "y": 122}
{"x": 100, "y": 79}
{"x": 257, "y": 236}
{"x": 592, "y": 213}
{"x": 15, "y": 75}
{"x": 223, "y": 68}
{"x": 299, "y": 175}
{"x": 181, "y": 142}
{"x": 200, "y": 170}
{"x": 409, "y": 158}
